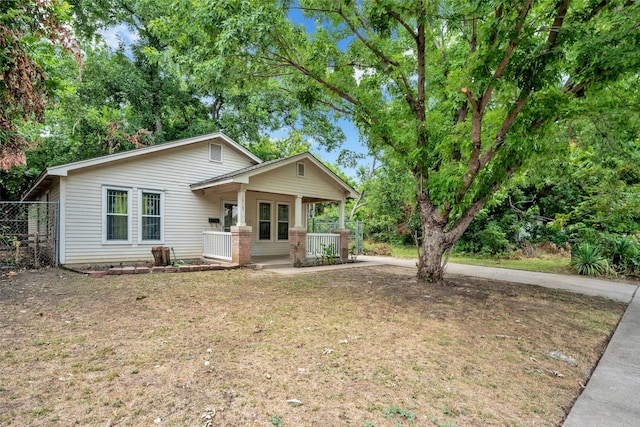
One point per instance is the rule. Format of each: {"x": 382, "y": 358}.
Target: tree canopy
{"x": 461, "y": 92}
{"x": 32, "y": 35}
{"x": 454, "y": 98}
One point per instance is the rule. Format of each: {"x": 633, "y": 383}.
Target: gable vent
{"x": 215, "y": 152}
{"x": 300, "y": 169}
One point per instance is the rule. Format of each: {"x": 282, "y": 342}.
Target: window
{"x": 229, "y": 215}
{"x": 264, "y": 221}
{"x": 151, "y": 215}
{"x": 117, "y": 226}
{"x": 215, "y": 152}
{"x": 300, "y": 169}
{"x": 283, "y": 222}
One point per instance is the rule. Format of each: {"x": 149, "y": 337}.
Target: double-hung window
{"x": 150, "y": 216}
{"x": 264, "y": 221}
{"x": 117, "y": 218}
{"x": 283, "y": 222}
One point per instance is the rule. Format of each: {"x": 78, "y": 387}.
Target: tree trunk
{"x": 435, "y": 242}
{"x": 430, "y": 267}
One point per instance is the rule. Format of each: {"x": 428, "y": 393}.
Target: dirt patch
{"x": 362, "y": 346}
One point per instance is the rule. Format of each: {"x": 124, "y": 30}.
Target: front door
{"x": 230, "y": 215}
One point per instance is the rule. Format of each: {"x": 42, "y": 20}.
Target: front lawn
{"x": 542, "y": 262}
{"x": 363, "y": 346}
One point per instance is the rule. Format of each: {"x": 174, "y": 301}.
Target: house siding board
{"x": 284, "y": 180}
{"x": 54, "y": 191}
{"x": 186, "y": 213}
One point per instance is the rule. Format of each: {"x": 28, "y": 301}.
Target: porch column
{"x": 298, "y": 213}
{"x": 242, "y": 207}
{"x": 341, "y": 215}
{"x": 241, "y": 244}
{"x": 298, "y": 236}
{"x": 298, "y": 245}
{"x": 344, "y": 242}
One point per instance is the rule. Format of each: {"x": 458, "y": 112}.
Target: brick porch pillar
{"x": 344, "y": 242}
{"x": 241, "y": 244}
{"x": 298, "y": 244}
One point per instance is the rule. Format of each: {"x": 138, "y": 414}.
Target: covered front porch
{"x": 316, "y": 246}
{"x": 261, "y": 211}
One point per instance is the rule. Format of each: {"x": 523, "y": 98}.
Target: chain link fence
{"x": 28, "y": 234}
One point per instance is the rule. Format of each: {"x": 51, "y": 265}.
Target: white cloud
{"x": 117, "y": 34}
{"x": 359, "y": 73}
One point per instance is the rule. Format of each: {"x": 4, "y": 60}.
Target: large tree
{"x": 32, "y": 34}
{"x": 461, "y": 92}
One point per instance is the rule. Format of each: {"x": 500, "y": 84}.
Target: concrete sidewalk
{"x": 612, "y": 395}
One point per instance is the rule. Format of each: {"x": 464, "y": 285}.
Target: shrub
{"x": 494, "y": 239}
{"x": 623, "y": 252}
{"x": 381, "y": 249}
{"x": 587, "y": 260}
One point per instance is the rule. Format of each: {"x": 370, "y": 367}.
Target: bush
{"x": 494, "y": 239}
{"x": 623, "y": 252}
{"x": 381, "y": 249}
{"x": 587, "y": 260}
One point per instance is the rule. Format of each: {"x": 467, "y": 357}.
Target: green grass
{"x": 407, "y": 251}
{"x": 542, "y": 264}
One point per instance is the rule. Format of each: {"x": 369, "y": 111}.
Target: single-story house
{"x": 205, "y": 196}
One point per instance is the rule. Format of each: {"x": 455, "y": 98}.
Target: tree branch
{"x": 522, "y": 14}
{"x": 404, "y": 24}
{"x": 463, "y": 222}
{"x": 595, "y": 11}
{"x": 501, "y": 135}
{"x": 384, "y": 58}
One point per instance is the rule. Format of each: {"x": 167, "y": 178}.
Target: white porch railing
{"x": 216, "y": 244}
{"x": 323, "y": 244}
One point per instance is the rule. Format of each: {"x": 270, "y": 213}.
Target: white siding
{"x": 186, "y": 213}
{"x": 54, "y": 191}
{"x": 284, "y": 180}
{"x": 38, "y": 214}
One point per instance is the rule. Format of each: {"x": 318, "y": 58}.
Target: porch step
{"x": 261, "y": 266}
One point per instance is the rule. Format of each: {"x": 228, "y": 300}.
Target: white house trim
{"x": 298, "y": 212}
{"x": 130, "y": 192}
{"x": 259, "y": 221}
{"x": 211, "y": 159}
{"x": 62, "y": 218}
{"x": 242, "y": 206}
{"x": 141, "y": 240}
{"x": 277, "y": 221}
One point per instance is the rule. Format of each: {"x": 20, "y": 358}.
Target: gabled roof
{"x": 62, "y": 170}
{"x": 242, "y": 175}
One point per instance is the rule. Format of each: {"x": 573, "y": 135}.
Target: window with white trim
{"x": 117, "y": 215}
{"x": 151, "y": 211}
{"x": 283, "y": 221}
{"x": 300, "y": 169}
{"x": 264, "y": 221}
{"x": 215, "y": 152}
{"x": 229, "y": 214}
